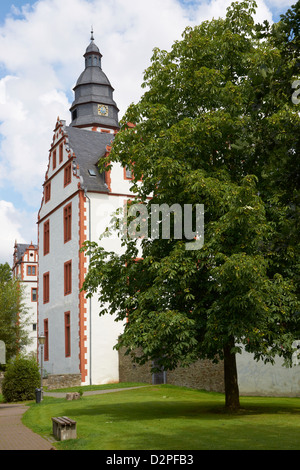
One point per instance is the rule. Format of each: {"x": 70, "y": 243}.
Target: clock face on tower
{"x": 102, "y": 110}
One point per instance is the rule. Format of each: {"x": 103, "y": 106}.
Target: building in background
{"x": 25, "y": 268}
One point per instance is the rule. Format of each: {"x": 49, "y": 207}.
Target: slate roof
{"x": 89, "y": 147}
{"x": 92, "y": 75}
{"x": 93, "y": 48}
{"x": 20, "y": 250}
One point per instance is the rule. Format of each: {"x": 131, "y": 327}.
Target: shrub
{"x": 21, "y": 379}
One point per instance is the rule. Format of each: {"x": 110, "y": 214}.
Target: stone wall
{"x": 202, "y": 375}
{"x": 56, "y": 381}
{"x": 130, "y": 372}
{"x": 62, "y": 381}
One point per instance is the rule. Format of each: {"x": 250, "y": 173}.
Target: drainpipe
{"x": 90, "y": 299}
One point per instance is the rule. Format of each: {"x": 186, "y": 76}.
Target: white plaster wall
{"x": 54, "y": 311}
{"x": 259, "y": 379}
{"x": 53, "y": 262}
{"x": 59, "y": 193}
{"x": 120, "y": 185}
{"x": 103, "y": 332}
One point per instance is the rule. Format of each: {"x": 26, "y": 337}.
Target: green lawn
{"x": 171, "y": 418}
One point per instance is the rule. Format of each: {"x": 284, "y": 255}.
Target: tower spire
{"x": 94, "y": 105}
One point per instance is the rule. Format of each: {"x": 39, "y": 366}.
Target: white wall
{"x": 103, "y": 364}
{"x": 59, "y": 303}
{"x": 60, "y": 252}
{"x": 259, "y": 379}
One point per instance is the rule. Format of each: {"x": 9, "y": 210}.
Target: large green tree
{"x": 216, "y": 126}
{"x": 13, "y": 314}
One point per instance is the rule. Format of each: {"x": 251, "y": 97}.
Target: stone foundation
{"x": 57, "y": 381}
{"x": 202, "y": 375}
{"x": 62, "y": 381}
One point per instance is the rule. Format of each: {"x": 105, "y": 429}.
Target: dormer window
{"x": 128, "y": 173}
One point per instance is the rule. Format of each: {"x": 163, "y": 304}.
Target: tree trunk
{"x": 232, "y": 399}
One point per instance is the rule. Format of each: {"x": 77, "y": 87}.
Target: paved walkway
{"x": 14, "y": 435}
{"x": 95, "y": 392}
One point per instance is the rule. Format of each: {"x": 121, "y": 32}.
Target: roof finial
{"x": 92, "y": 34}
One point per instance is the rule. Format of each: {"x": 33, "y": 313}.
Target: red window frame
{"x": 54, "y": 159}
{"x": 32, "y": 295}
{"x": 67, "y": 223}
{"x": 31, "y": 272}
{"x": 68, "y": 277}
{"x": 67, "y": 334}
{"x": 46, "y": 237}
{"x": 48, "y": 191}
{"x": 67, "y": 175}
{"x": 60, "y": 153}
{"x": 46, "y": 346}
{"x": 46, "y": 287}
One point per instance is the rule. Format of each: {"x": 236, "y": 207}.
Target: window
{"x": 46, "y": 237}
{"x": 60, "y": 153}
{"x": 67, "y": 175}
{"x": 68, "y": 277}
{"x": 54, "y": 159}
{"x": 127, "y": 173}
{"x": 48, "y": 191}
{"x": 33, "y": 326}
{"x": 68, "y": 223}
{"x": 74, "y": 114}
{"x": 33, "y": 294}
{"x": 46, "y": 287}
{"x": 67, "y": 335}
{"x": 46, "y": 347}
{"x": 31, "y": 270}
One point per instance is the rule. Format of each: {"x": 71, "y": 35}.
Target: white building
{"x": 25, "y": 268}
{"x": 76, "y": 206}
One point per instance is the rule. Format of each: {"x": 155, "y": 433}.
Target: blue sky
{"x": 41, "y": 56}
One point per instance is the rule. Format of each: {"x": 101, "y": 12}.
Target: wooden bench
{"x": 64, "y": 428}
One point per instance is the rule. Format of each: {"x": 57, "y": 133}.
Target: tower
{"x": 93, "y": 106}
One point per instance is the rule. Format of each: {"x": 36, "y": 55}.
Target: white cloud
{"x": 15, "y": 225}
